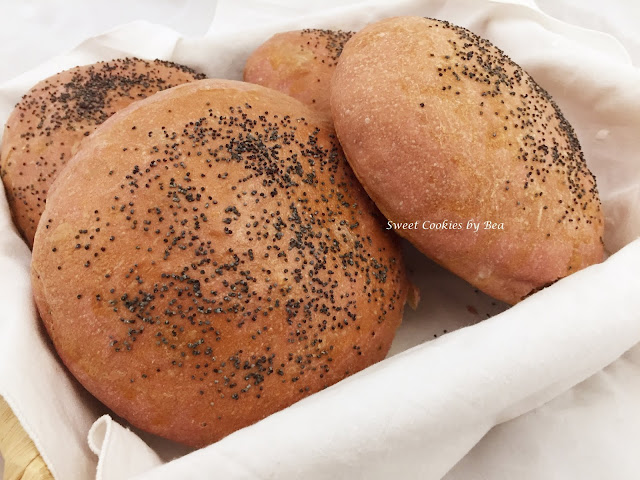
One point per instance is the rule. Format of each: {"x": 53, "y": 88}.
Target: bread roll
{"x": 443, "y": 129}
{"x": 48, "y": 124}
{"x": 207, "y": 258}
{"x": 299, "y": 63}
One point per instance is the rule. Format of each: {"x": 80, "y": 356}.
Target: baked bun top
{"x": 299, "y": 63}
{"x": 441, "y": 126}
{"x": 208, "y": 258}
{"x": 51, "y": 120}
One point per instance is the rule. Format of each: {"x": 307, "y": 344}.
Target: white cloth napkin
{"x": 419, "y": 412}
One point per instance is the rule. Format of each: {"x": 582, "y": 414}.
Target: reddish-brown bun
{"x": 48, "y": 124}
{"x": 299, "y": 63}
{"x": 208, "y": 258}
{"x": 439, "y": 125}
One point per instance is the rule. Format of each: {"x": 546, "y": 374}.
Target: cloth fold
{"x": 121, "y": 454}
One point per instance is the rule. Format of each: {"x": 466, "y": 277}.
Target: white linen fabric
{"x": 419, "y": 412}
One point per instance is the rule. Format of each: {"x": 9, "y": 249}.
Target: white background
{"x": 35, "y": 30}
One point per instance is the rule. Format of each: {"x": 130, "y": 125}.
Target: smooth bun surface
{"x": 208, "y": 258}
{"x": 439, "y": 125}
{"x": 54, "y": 117}
{"x": 299, "y": 63}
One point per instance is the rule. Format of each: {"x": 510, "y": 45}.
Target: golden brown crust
{"x": 438, "y": 124}
{"x": 55, "y": 116}
{"x": 299, "y": 63}
{"x": 224, "y": 263}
